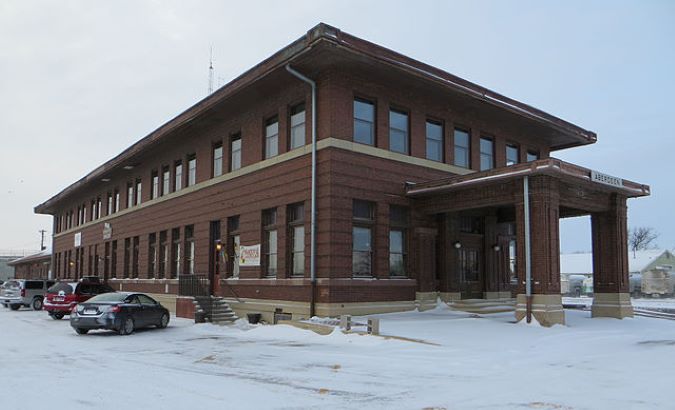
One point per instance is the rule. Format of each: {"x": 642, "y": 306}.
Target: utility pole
{"x": 42, "y": 239}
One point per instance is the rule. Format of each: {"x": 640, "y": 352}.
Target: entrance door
{"x": 472, "y": 274}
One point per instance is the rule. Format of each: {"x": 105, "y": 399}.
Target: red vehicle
{"x": 61, "y": 297}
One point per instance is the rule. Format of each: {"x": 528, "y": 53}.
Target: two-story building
{"x": 338, "y": 176}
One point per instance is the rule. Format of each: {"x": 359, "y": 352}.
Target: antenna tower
{"x": 211, "y": 72}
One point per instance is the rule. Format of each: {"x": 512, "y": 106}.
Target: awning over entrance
{"x": 556, "y": 189}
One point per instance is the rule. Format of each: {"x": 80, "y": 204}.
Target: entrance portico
{"x": 482, "y": 237}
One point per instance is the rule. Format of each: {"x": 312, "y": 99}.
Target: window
{"x": 134, "y": 265}
{"x": 138, "y": 191}
{"x": 511, "y": 154}
{"x": 127, "y": 257}
{"x": 152, "y": 255}
{"x": 155, "y": 185}
{"x": 106, "y": 260}
{"x": 109, "y": 207}
{"x": 398, "y": 131}
{"x": 192, "y": 170}
{"x": 166, "y": 180}
{"x": 363, "y": 218}
{"x": 298, "y": 126}
{"x": 296, "y": 230}
{"x": 113, "y": 260}
{"x": 163, "y": 254}
{"x": 175, "y": 252}
{"x": 93, "y": 212}
{"x": 217, "y": 160}
{"x": 364, "y": 121}
{"x": 532, "y": 155}
{"x": 117, "y": 200}
{"x": 233, "y": 243}
{"x": 487, "y": 158}
{"x": 462, "y": 148}
{"x": 189, "y": 250}
{"x": 178, "y": 176}
{"x": 271, "y": 137}
{"x": 469, "y": 264}
{"x": 398, "y": 223}
{"x": 130, "y": 195}
{"x": 434, "y": 141}
{"x": 269, "y": 218}
{"x": 235, "y": 150}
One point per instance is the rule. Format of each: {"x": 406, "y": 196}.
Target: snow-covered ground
{"x": 468, "y": 363}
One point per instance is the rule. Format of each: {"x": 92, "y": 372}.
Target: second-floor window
{"x": 139, "y": 191}
{"x": 364, "y": 121}
{"x": 297, "y": 126}
{"x": 511, "y": 154}
{"x": 117, "y": 200}
{"x": 178, "y": 176}
{"x": 192, "y": 170}
{"x": 532, "y": 155}
{"x": 217, "y": 160}
{"x": 462, "y": 148}
{"x": 166, "y": 180}
{"x": 434, "y": 141}
{"x": 271, "y": 137}
{"x": 154, "y": 193}
{"x": 130, "y": 195}
{"x": 109, "y": 207}
{"x": 487, "y": 156}
{"x": 398, "y": 131}
{"x": 235, "y": 150}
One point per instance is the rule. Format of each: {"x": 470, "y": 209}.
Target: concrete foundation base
{"x": 496, "y": 295}
{"x": 547, "y": 309}
{"x": 425, "y": 300}
{"x": 450, "y": 296}
{"x": 616, "y": 305}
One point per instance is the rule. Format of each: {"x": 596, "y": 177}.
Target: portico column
{"x": 450, "y": 282}
{"x": 611, "y": 297}
{"x": 545, "y": 253}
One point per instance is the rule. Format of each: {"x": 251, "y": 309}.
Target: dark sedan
{"x": 122, "y": 312}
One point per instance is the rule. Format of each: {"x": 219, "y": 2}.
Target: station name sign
{"x": 606, "y": 179}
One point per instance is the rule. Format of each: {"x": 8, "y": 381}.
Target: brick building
{"x": 35, "y": 266}
{"x": 419, "y": 193}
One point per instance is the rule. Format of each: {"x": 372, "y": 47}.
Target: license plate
{"x": 90, "y": 311}
{"x": 58, "y": 299}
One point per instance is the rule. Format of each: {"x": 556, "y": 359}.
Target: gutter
{"x": 312, "y": 258}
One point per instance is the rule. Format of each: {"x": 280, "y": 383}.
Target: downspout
{"x": 528, "y": 262}
{"x": 312, "y": 246}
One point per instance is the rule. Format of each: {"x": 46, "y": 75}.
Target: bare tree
{"x": 641, "y": 238}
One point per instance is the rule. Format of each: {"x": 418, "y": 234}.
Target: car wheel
{"x": 164, "y": 321}
{"x": 127, "y": 327}
{"x": 37, "y": 304}
{"x": 57, "y": 315}
{"x": 14, "y": 307}
{"x": 81, "y": 331}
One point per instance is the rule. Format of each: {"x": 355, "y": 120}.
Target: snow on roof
{"x": 583, "y": 262}
{"x": 47, "y": 252}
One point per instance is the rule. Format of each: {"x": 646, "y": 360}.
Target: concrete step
{"x": 484, "y": 306}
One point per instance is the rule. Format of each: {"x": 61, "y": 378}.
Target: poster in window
{"x": 249, "y": 255}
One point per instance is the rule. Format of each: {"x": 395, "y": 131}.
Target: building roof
{"x": 45, "y": 255}
{"x": 313, "y": 47}
{"x": 582, "y": 263}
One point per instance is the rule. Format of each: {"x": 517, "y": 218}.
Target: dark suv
{"x": 61, "y": 297}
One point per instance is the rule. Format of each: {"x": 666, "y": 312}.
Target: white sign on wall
{"x": 249, "y": 255}
{"x": 606, "y": 179}
{"x": 107, "y": 231}
{"x": 78, "y": 239}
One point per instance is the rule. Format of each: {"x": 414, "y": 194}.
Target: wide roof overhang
{"x": 324, "y": 48}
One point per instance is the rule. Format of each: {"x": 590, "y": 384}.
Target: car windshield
{"x": 108, "y": 297}
{"x": 12, "y": 284}
{"x": 61, "y": 287}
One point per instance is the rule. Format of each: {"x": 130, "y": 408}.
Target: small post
{"x": 346, "y": 322}
{"x": 373, "y": 326}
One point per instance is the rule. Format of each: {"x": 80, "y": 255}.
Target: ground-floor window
{"x": 269, "y": 218}
{"x": 398, "y": 223}
{"x": 296, "y": 232}
{"x": 189, "y": 250}
{"x": 363, "y": 220}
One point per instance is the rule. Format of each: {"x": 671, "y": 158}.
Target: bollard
{"x": 373, "y": 326}
{"x": 346, "y": 322}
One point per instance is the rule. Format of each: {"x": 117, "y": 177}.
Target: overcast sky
{"x": 82, "y": 80}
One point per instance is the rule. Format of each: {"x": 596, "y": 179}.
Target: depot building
{"x": 340, "y": 177}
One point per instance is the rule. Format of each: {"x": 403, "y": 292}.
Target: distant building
{"x": 34, "y": 266}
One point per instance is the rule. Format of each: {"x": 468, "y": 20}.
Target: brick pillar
{"x": 611, "y": 297}
{"x": 449, "y": 269}
{"x": 544, "y": 253}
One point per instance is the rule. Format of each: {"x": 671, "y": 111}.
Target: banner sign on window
{"x": 249, "y": 255}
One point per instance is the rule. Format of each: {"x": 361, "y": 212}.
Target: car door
{"x": 150, "y": 310}
{"x": 135, "y": 310}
